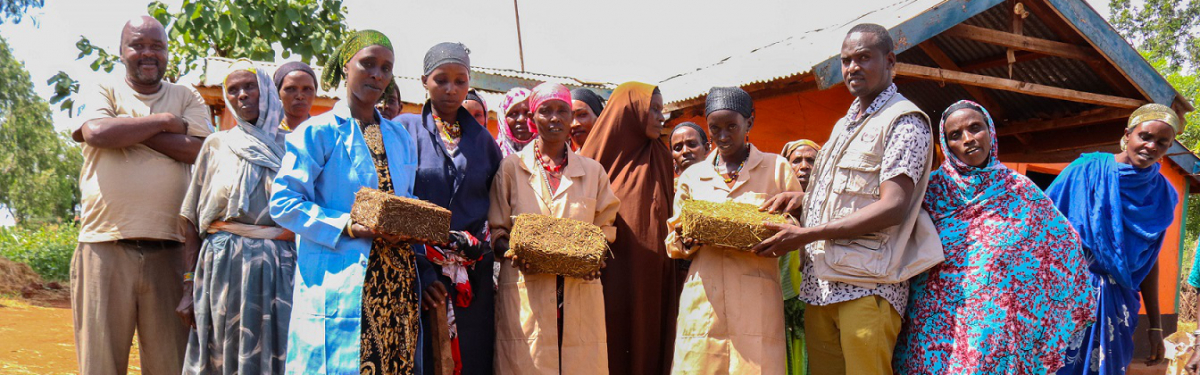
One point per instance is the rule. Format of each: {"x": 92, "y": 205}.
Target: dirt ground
{"x": 38, "y": 338}
{"x": 36, "y": 333}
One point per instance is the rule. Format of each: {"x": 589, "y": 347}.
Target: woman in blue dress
{"x": 1121, "y": 207}
{"x": 357, "y": 298}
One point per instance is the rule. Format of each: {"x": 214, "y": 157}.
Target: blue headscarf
{"x": 1121, "y": 213}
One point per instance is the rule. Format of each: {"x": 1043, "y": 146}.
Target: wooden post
{"x": 520, "y": 46}
{"x": 443, "y": 355}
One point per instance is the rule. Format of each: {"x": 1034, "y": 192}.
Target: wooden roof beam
{"x": 1059, "y": 26}
{"x": 1084, "y": 118}
{"x": 998, "y": 61}
{"x": 1093, "y": 136}
{"x": 946, "y": 62}
{"x": 1021, "y": 42}
{"x": 995, "y": 83}
{"x": 1064, "y": 156}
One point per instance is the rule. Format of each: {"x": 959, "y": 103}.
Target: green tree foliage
{"x": 1188, "y": 86}
{"x": 253, "y": 29}
{"x": 1163, "y": 29}
{"x": 1167, "y": 32}
{"x": 39, "y": 168}
{"x": 250, "y": 29}
{"x": 14, "y": 10}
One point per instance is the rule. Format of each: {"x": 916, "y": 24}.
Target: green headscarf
{"x": 335, "y": 72}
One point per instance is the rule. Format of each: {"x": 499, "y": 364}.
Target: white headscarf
{"x": 259, "y": 144}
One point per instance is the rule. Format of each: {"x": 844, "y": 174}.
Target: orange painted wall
{"x": 785, "y": 118}
{"x": 227, "y": 116}
{"x": 812, "y": 114}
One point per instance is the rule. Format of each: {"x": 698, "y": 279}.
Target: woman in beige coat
{"x": 730, "y": 313}
{"x": 550, "y": 324}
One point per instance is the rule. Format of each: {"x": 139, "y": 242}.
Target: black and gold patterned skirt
{"x": 391, "y": 311}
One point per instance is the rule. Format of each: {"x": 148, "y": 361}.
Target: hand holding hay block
{"x": 557, "y": 246}
{"x": 732, "y": 224}
{"x": 405, "y": 217}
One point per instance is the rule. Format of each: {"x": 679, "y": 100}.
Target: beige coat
{"x": 730, "y": 313}
{"x": 526, "y": 311}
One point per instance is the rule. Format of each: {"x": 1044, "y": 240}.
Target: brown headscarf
{"x": 640, "y": 167}
{"x": 640, "y": 288}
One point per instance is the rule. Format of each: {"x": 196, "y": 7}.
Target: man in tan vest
{"x": 139, "y": 138}
{"x": 864, "y": 231}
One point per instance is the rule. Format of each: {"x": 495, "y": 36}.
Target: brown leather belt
{"x": 150, "y": 244}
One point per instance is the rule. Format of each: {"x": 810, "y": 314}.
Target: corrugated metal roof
{"x": 793, "y": 55}
{"x": 567, "y": 81}
{"x": 1050, "y": 71}
{"x": 216, "y": 68}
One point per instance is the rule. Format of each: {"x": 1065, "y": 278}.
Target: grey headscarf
{"x": 294, "y": 66}
{"x": 447, "y": 53}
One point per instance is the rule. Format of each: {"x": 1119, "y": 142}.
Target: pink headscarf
{"x": 546, "y": 92}
{"x": 509, "y": 144}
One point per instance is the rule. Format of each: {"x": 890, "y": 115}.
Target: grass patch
{"x": 46, "y": 249}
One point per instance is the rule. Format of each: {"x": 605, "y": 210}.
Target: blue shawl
{"x": 1121, "y": 214}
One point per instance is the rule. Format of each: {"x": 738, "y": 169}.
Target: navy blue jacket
{"x": 461, "y": 184}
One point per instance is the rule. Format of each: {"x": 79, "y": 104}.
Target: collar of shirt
{"x": 875, "y": 105}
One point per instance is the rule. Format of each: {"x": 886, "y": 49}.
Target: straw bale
{"x": 732, "y": 224}
{"x": 557, "y": 246}
{"x": 413, "y": 218}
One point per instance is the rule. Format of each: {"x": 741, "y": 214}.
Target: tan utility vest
{"x": 892, "y": 255}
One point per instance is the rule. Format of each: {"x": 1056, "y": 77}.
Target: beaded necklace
{"x": 548, "y": 171}
{"x": 731, "y": 176}
{"x": 553, "y": 170}
{"x": 449, "y": 130}
{"x": 451, "y": 133}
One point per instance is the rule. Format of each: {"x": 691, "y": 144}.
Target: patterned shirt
{"x": 905, "y": 153}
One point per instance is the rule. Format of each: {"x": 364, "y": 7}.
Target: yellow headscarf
{"x": 790, "y": 147}
{"x": 1155, "y": 111}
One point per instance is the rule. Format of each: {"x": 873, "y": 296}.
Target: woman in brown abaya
{"x": 640, "y": 293}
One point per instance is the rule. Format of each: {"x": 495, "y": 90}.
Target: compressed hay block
{"x": 732, "y": 224}
{"x": 413, "y": 218}
{"x": 557, "y": 246}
